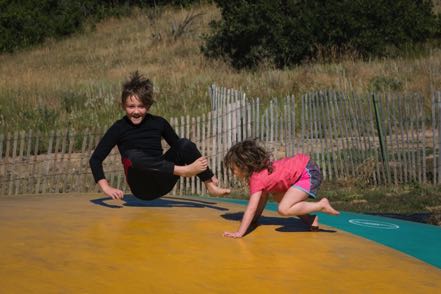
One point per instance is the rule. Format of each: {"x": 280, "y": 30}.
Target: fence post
{"x": 383, "y": 147}
{"x": 438, "y": 104}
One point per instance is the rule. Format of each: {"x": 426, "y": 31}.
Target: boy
{"x": 150, "y": 173}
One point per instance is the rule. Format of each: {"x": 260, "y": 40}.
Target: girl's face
{"x": 135, "y": 110}
{"x": 238, "y": 172}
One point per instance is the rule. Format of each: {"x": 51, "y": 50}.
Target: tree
{"x": 287, "y": 32}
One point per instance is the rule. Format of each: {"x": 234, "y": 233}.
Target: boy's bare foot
{"x": 327, "y": 208}
{"x": 198, "y": 166}
{"x": 215, "y": 190}
{"x": 215, "y": 180}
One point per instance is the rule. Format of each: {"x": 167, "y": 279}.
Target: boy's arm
{"x": 248, "y": 216}
{"x": 102, "y": 150}
{"x": 109, "y": 190}
{"x": 168, "y": 133}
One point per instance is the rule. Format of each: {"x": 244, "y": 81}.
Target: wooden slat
{"x": 187, "y": 135}
{"x": 419, "y": 164}
{"x": 195, "y": 139}
{"x": 6, "y": 162}
{"x": 2, "y": 164}
{"x": 36, "y": 172}
{"x": 27, "y": 186}
{"x": 257, "y": 115}
{"x": 411, "y": 130}
{"x": 14, "y": 177}
{"x": 332, "y": 171}
{"x": 320, "y": 136}
{"x": 399, "y": 147}
{"x": 403, "y": 143}
{"x": 218, "y": 142}
{"x": 388, "y": 134}
{"x": 248, "y": 121}
{"x": 78, "y": 186}
{"x": 340, "y": 138}
{"x": 203, "y": 146}
{"x": 422, "y": 132}
{"x": 208, "y": 142}
{"x": 45, "y": 180}
{"x": 174, "y": 124}
{"x": 67, "y": 186}
{"x": 21, "y": 181}
{"x": 434, "y": 132}
{"x": 438, "y": 142}
{"x": 182, "y": 135}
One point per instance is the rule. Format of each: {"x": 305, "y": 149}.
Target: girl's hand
{"x": 116, "y": 194}
{"x": 233, "y": 235}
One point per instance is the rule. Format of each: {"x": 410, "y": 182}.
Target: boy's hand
{"x": 116, "y": 194}
{"x": 233, "y": 235}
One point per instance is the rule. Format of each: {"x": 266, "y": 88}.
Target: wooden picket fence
{"x": 373, "y": 139}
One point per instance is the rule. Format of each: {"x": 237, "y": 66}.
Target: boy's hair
{"x": 138, "y": 86}
{"x": 248, "y": 156}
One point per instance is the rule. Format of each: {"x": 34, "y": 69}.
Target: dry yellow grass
{"x": 95, "y": 63}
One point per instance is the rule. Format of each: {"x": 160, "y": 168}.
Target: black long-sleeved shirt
{"x": 145, "y": 137}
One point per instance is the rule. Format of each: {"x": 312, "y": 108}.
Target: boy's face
{"x": 135, "y": 110}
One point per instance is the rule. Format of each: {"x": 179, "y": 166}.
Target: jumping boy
{"x": 149, "y": 173}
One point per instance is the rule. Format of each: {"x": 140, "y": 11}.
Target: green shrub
{"x": 28, "y": 22}
{"x": 24, "y": 23}
{"x": 289, "y": 32}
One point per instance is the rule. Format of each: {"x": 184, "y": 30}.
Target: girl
{"x": 150, "y": 173}
{"x": 290, "y": 181}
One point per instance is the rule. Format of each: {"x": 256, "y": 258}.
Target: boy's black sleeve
{"x": 101, "y": 151}
{"x": 169, "y": 133}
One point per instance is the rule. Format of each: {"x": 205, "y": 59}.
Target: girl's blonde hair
{"x": 249, "y": 157}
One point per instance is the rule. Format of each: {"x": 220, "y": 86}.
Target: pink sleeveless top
{"x": 286, "y": 172}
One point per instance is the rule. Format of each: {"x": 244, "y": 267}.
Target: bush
{"x": 24, "y": 23}
{"x": 28, "y": 22}
{"x": 289, "y": 32}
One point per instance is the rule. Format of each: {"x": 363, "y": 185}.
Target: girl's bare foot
{"x": 198, "y": 166}
{"x": 215, "y": 190}
{"x": 327, "y": 208}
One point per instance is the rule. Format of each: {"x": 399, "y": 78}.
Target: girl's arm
{"x": 260, "y": 207}
{"x": 248, "y": 216}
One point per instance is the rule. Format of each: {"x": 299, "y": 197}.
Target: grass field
{"x": 410, "y": 202}
{"x": 76, "y": 82}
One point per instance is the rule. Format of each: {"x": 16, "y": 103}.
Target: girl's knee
{"x": 283, "y": 210}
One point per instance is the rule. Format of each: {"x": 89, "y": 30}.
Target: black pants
{"x": 150, "y": 177}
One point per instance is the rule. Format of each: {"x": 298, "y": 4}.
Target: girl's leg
{"x": 310, "y": 219}
{"x": 294, "y": 203}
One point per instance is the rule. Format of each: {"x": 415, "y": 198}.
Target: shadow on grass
{"x": 132, "y": 201}
{"x": 286, "y": 224}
